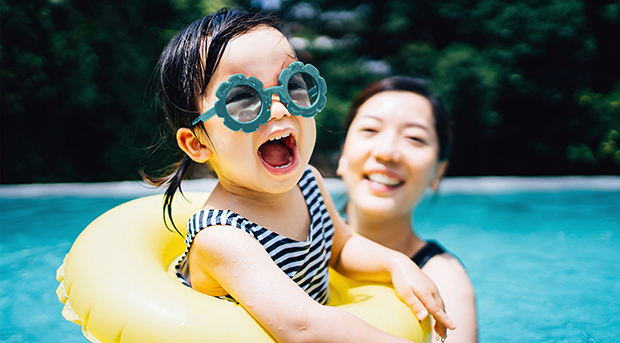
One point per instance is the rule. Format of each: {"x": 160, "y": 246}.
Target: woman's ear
{"x": 342, "y": 165}
{"x": 191, "y": 145}
{"x": 343, "y": 162}
{"x": 442, "y": 167}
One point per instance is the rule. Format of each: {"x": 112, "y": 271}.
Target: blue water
{"x": 545, "y": 266}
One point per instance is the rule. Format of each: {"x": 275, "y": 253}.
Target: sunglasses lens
{"x": 243, "y": 103}
{"x": 302, "y": 89}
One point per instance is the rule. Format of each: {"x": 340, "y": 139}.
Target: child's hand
{"x": 420, "y": 294}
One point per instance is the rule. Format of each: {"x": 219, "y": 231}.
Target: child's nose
{"x": 278, "y": 109}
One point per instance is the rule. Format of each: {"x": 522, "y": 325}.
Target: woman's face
{"x": 390, "y": 154}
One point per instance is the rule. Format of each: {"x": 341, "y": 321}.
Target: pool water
{"x": 545, "y": 266}
{"x": 34, "y": 238}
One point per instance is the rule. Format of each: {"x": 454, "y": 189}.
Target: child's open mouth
{"x": 278, "y": 152}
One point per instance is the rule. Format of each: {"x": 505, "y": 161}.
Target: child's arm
{"x": 362, "y": 259}
{"x": 231, "y": 258}
{"x": 359, "y": 258}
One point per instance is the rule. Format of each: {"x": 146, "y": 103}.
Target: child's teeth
{"x": 279, "y": 137}
{"x": 284, "y": 166}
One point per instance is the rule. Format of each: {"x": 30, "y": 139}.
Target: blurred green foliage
{"x": 533, "y": 86}
{"x": 76, "y": 102}
{"x": 515, "y": 75}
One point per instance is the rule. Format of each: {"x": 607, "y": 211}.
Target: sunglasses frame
{"x": 266, "y": 94}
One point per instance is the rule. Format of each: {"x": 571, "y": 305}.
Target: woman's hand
{"x": 420, "y": 294}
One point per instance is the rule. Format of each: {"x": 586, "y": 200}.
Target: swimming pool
{"x": 543, "y": 254}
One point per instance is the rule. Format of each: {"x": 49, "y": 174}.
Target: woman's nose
{"x": 386, "y": 148}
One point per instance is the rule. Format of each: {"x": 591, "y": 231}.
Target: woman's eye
{"x": 416, "y": 139}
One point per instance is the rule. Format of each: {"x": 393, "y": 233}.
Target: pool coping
{"x": 450, "y": 185}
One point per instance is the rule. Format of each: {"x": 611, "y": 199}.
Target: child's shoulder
{"x": 329, "y": 202}
{"x": 315, "y": 172}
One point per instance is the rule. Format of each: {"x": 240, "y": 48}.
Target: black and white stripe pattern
{"x": 304, "y": 262}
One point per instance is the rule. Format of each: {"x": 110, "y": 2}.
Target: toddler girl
{"x": 237, "y": 98}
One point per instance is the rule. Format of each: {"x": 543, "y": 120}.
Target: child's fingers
{"x": 435, "y": 306}
{"x": 442, "y": 318}
{"x": 412, "y": 301}
{"x": 423, "y": 299}
{"x": 441, "y": 330}
{"x": 418, "y": 309}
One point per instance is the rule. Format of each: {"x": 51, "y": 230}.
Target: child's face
{"x": 259, "y": 161}
{"x": 391, "y": 153}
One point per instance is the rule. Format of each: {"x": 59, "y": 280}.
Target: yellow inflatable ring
{"x": 115, "y": 283}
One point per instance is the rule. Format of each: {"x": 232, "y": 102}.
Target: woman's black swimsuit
{"x": 427, "y": 252}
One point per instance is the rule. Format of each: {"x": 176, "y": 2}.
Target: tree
{"x": 76, "y": 101}
{"x": 522, "y": 79}
{"x": 533, "y": 86}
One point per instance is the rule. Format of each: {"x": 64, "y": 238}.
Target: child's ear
{"x": 189, "y": 143}
{"x": 441, "y": 171}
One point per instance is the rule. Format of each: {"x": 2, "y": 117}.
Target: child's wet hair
{"x": 183, "y": 72}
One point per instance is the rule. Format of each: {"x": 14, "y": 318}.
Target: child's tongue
{"x": 276, "y": 153}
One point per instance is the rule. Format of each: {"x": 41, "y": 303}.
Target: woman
{"x": 397, "y": 145}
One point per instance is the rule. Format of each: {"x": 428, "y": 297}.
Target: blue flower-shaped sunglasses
{"x": 244, "y": 104}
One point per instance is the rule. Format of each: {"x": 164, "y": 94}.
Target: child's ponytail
{"x": 178, "y": 172}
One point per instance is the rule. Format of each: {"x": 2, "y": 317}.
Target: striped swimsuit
{"x": 304, "y": 262}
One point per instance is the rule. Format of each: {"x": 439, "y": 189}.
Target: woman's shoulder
{"x": 457, "y": 292}
{"x": 447, "y": 271}
{"x": 445, "y": 262}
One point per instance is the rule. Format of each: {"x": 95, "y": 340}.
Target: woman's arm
{"x": 458, "y": 295}
{"x": 359, "y": 258}
{"x": 238, "y": 263}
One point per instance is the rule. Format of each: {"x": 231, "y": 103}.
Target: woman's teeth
{"x": 383, "y": 179}
{"x": 279, "y": 137}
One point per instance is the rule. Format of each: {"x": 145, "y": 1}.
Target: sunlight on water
{"x": 544, "y": 265}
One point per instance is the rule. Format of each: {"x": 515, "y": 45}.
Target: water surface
{"x": 544, "y": 264}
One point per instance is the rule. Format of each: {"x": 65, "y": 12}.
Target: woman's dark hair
{"x": 443, "y": 124}
{"x": 183, "y": 72}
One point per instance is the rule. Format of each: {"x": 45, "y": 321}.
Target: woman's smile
{"x": 384, "y": 180}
